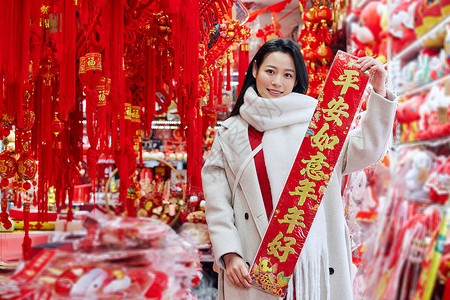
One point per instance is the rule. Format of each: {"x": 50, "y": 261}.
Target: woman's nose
{"x": 276, "y": 81}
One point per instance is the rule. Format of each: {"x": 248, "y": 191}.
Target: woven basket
{"x": 176, "y": 218}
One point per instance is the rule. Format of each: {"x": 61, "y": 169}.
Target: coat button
{"x": 331, "y": 271}
{"x": 246, "y": 216}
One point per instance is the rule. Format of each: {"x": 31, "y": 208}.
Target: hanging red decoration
{"x": 243, "y": 63}
{"x": 309, "y": 55}
{"x": 314, "y": 37}
{"x": 26, "y": 167}
{"x": 324, "y": 54}
{"x": 229, "y": 57}
{"x": 26, "y": 245}
{"x": 90, "y": 70}
{"x": 57, "y": 125}
{"x": 29, "y": 118}
{"x": 8, "y": 165}
{"x": 324, "y": 17}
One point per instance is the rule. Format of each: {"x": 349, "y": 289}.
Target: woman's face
{"x": 276, "y": 75}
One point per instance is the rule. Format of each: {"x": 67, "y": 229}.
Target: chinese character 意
{"x": 275, "y": 247}
{"x": 293, "y": 219}
{"x": 335, "y": 110}
{"x": 314, "y": 166}
{"x": 322, "y": 140}
{"x": 305, "y": 189}
{"x": 347, "y": 80}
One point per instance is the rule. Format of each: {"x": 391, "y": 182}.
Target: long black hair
{"x": 274, "y": 45}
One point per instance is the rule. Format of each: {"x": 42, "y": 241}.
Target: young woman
{"x": 273, "y": 110}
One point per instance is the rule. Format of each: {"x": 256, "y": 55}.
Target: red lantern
{"x": 57, "y": 125}
{"x": 8, "y": 165}
{"x": 28, "y": 119}
{"x": 309, "y": 55}
{"x": 309, "y": 17}
{"x": 103, "y": 89}
{"x": 26, "y": 168}
{"x": 324, "y": 15}
{"x": 90, "y": 70}
{"x": 324, "y": 54}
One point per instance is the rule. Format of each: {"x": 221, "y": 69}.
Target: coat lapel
{"x": 236, "y": 148}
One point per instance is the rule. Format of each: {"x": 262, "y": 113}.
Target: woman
{"x": 273, "y": 110}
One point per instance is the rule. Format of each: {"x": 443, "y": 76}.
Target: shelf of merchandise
{"x": 430, "y": 143}
{"x": 423, "y": 87}
{"x": 417, "y": 45}
{"x": 396, "y": 63}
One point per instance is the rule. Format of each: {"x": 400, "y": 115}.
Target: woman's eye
{"x": 269, "y": 71}
{"x": 288, "y": 75}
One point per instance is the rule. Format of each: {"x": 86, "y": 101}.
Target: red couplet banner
{"x": 308, "y": 180}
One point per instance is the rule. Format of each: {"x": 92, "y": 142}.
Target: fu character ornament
{"x": 8, "y": 167}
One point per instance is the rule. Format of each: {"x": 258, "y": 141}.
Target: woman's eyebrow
{"x": 271, "y": 66}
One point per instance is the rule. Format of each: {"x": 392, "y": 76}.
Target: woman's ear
{"x": 254, "y": 70}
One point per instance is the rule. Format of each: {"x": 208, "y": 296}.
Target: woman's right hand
{"x": 237, "y": 271}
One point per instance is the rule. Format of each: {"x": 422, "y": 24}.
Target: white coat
{"x": 238, "y": 226}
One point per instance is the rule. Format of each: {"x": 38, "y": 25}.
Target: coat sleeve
{"x": 219, "y": 211}
{"x": 367, "y": 144}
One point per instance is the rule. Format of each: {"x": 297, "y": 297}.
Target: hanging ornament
{"x": 309, "y": 55}
{"x": 324, "y": 18}
{"x": 26, "y": 167}
{"x": 309, "y": 18}
{"x": 8, "y": 165}
{"x": 26, "y": 245}
{"x": 243, "y": 63}
{"x": 324, "y": 54}
{"x": 57, "y": 125}
{"x": 90, "y": 70}
{"x": 28, "y": 119}
{"x": 229, "y": 58}
{"x": 324, "y": 15}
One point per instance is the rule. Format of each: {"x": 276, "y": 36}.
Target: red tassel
{"x": 150, "y": 92}
{"x": 19, "y": 200}
{"x": 26, "y": 245}
{"x": 4, "y": 217}
{"x": 216, "y": 81}
{"x": 211, "y": 92}
{"x": 229, "y": 56}
{"x": 243, "y": 64}
{"x": 68, "y": 59}
{"x": 69, "y": 209}
{"x": 34, "y": 198}
{"x": 219, "y": 91}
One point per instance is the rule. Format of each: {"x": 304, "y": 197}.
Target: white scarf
{"x": 284, "y": 121}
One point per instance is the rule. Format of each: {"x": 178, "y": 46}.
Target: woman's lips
{"x": 274, "y": 92}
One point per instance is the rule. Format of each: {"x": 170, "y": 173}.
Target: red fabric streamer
{"x": 26, "y": 245}
{"x": 150, "y": 88}
{"x": 243, "y": 63}
{"x": 68, "y": 59}
{"x": 211, "y": 91}
{"x": 216, "y": 81}
{"x": 219, "y": 90}
{"x": 229, "y": 55}
{"x": 16, "y": 54}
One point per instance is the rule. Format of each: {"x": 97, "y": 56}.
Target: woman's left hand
{"x": 376, "y": 71}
